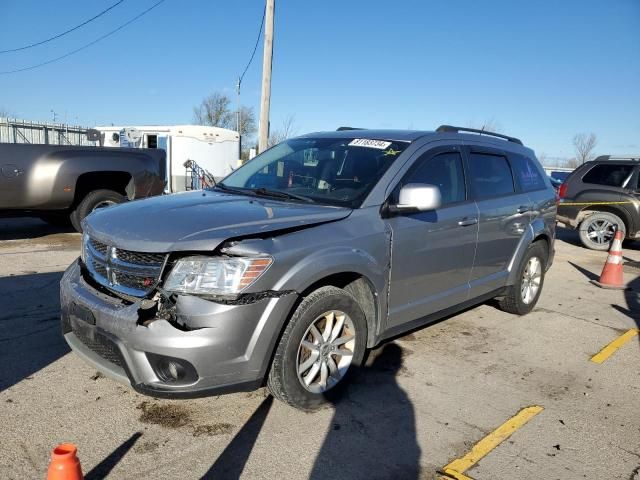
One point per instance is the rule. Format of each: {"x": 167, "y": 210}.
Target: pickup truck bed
{"x": 65, "y": 183}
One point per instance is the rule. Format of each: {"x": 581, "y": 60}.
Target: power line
{"x": 254, "y": 48}
{"x": 63, "y": 33}
{"x": 6, "y": 72}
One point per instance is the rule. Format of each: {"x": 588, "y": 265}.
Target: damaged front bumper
{"x": 229, "y": 348}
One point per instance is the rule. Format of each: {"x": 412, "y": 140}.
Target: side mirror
{"x": 419, "y": 196}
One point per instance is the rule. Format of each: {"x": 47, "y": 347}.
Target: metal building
{"x": 13, "y": 130}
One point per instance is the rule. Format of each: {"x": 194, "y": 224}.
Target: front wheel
{"x": 322, "y": 344}
{"x": 523, "y": 296}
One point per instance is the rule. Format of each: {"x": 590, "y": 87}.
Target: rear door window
{"x": 611, "y": 175}
{"x": 527, "y": 173}
{"x": 490, "y": 175}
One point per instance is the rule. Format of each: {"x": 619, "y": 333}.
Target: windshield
{"x": 323, "y": 170}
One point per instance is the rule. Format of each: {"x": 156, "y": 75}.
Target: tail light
{"x": 562, "y": 191}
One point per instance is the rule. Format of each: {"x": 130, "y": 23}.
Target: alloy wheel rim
{"x": 531, "y": 279}
{"x": 601, "y": 231}
{"x": 326, "y": 351}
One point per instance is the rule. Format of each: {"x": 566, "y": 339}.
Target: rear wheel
{"x": 523, "y": 296}
{"x": 322, "y": 344}
{"x": 93, "y": 201}
{"x": 597, "y": 230}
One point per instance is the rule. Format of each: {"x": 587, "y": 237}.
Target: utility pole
{"x": 266, "y": 76}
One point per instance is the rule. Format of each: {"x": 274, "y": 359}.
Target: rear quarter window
{"x": 527, "y": 174}
{"x": 610, "y": 175}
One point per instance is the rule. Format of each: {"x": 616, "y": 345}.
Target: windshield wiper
{"x": 242, "y": 191}
{"x": 264, "y": 192}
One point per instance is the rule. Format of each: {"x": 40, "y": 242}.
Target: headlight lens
{"x": 215, "y": 276}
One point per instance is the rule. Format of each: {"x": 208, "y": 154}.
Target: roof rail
{"x": 342, "y": 129}
{"x": 449, "y": 128}
{"x": 602, "y": 158}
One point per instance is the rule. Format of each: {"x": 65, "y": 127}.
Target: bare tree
{"x": 584, "y": 145}
{"x": 572, "y": 163}
{"x": 214, "y": 111}
{"x": 489, "y": 125}
{"x": 6, "y": 113}
{"x": 542, "y": 158}
{"x": 248, "y": 124}
{"x": 287, "y": 130}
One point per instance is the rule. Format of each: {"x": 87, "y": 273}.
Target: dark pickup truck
{"x": 62, "y": 184}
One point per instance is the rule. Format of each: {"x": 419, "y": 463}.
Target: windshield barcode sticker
{"x": 367, "y": 142}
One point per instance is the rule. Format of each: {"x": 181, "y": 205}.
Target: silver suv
{"x": 314, "y": 251}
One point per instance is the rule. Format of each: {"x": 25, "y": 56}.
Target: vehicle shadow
{"x": 30, "y": 325}
{"x": 568, "y": 236}
{"x": 372, "y": 436}
{"x": 23, "y": 228}
{"x": 232, "y": 460}
{"x": 632, "y": 300}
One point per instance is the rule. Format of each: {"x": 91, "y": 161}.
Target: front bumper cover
{"x": 232, "y": 353}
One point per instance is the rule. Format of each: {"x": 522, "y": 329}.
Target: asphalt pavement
{"x": 422, "y": 402}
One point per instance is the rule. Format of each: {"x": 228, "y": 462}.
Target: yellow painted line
{"x": 456, "y": 468}
{"x": 453, "y": 474}
{"x": 610, "y": 349}
{"x": 592, "y": 203}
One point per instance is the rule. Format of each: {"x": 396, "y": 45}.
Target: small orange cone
{"x": 65, "y": 464}
{"x": 611, "y": 276}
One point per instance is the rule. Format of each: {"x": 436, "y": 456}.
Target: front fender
{"x": 324, "y": 263}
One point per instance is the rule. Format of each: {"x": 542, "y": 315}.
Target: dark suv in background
{"x": 601, "y": 196}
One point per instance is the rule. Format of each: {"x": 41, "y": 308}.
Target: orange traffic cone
{"x": 611, "y": 276}
{"x": 65, "y": 464}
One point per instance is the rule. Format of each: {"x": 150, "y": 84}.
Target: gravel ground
{"x": 422, "y": 401}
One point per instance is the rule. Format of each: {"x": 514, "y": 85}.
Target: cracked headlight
{"x": 215, "y": 275}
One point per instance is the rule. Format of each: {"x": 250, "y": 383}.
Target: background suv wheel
{"x": 597, "y": 230}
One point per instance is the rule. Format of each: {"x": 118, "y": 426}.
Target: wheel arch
{"x": 361, "y": 289}
{"x": 355, "y": 283}
{"x": 109, "y": 180}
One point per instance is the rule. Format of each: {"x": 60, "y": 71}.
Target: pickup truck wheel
{"x": 523, "y": 296}
{"x": 93, "y": 201}
{"x": 323, "y": 343}
{"x": 597, "y": 230}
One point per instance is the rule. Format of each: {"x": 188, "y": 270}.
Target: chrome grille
{"x": 124, "y": 271}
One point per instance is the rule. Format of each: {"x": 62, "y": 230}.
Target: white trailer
{"x": 217, "y": 150}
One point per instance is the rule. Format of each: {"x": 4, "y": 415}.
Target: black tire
{"x": 92, "y": 201}
{"x": 283, "y": 381}
{"x": 591, "y": 223}
{"x": 57, "y": 219}
{"x": 513, "y": 301}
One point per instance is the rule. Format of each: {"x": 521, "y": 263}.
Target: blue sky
{"x": 542, "y": 70}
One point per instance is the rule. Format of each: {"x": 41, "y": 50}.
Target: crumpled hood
{"x": 199, "y": 220}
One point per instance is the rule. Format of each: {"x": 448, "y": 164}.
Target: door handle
{"x": 523, "y": 209}
{"x": 465, "y": 222}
